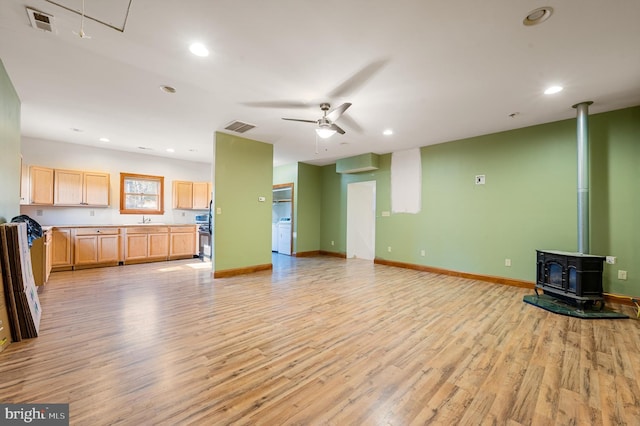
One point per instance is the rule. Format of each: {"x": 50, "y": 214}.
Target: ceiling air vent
{"x": 239, "y": 126}
{"x": 41, "y": 20}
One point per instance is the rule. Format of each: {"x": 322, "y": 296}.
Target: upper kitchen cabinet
{"x": 78, "y": 188}
{"x": 41, "y": 179}
{"x": 182, "y": 194}
{"x": 201, "y": 195}
{"x": 191, "y": 195}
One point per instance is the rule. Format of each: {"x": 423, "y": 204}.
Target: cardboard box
{"x": 5, "y": 328}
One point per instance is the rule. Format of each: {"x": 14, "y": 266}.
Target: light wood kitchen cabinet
{"x": 201, "y": 195}
{"x": 182, "y": 195}
{"x": 61, "y": 249}
{"x": 191, "y": 195}
{"x": 183, "y": 242}
{"x": 158, "y": 245}
{"x": 96, "y": 246}
{"x": 146, "y": 243}
{"x": 41, "y": 256}
{"x": 87, "y": 247}
{"x": 135, "y": 247}
{"x": 79, "y": 188}
{"x": 41, "y": 183}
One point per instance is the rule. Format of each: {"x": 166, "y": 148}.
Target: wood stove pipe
{"x": 582, "y": 110}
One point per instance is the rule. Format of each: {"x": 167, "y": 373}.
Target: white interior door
{"x": 361, "y": 220}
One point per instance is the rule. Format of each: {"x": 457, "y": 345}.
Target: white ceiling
{"x": 452, "y": 69}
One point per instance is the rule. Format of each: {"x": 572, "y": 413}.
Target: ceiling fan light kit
{"x": 325, "y": 132}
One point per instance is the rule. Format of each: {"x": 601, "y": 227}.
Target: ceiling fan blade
{"x": 277, "y": 104}
{"x": 337, "y": 128}
{"x": 335, "y": 113}
{"x": 303, "y": 121}
{"x": 358, "y": 79}
{"x": 351, "y": 123}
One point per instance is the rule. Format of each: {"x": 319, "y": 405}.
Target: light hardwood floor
{"x": 318, "y": 341}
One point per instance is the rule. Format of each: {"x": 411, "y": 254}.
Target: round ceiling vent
{"x": 538, "y": 16}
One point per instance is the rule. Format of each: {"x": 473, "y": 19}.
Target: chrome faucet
{"x": 146, "y": 220}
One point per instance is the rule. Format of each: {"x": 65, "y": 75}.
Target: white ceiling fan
{"x": 326, "y": 126}
{"x": 81, "y": 33}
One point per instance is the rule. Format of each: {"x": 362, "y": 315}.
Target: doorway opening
{"x": 282, "y": 219}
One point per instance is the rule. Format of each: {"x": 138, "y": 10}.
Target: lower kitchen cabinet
{"x": 87, "y": 247}
{"x": 41, "y": 256}
{"x": 158, "y": 245}
{"x": 96, "y": 246}
{"x": 146, "y": 244}
{"x": 61, "y": 249}
{"x": 183, "y": 242}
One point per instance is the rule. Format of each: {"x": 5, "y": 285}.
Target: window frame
{"x": 134, "y": 176}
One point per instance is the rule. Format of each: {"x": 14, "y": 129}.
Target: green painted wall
{"x": 307, "y": 183}
{"x": 243, "y": 172}
{"x": 527, "y": 203}
{"x": 10, "y": 148}
{"x": 308, "y": 208}
{"x": 286, "y": 174}
{"x": 615, "y": 195}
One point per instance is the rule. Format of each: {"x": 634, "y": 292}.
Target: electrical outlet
{"x": 389, "y": 249}
{"x": 92, "y": 212}
{"x": 183, "y": 214}
{"x": 611, "y": 260}
{"x": 333, "y": 243}
{"x": 218, "y": 210}
{"x": 38, "y": 212}
{"x": 423, "y": 253}
{"x": 507, "y": 262}
{"x": 385, "y": 214}
{"x": 622, "y": 275}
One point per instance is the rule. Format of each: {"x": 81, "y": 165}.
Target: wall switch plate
{"x": 385, "y": 214}
{"x": 261, "y": 199}
{"x": 507, "y": 262}
{"x": 480, "y": 179}
{"x": 218, "y": 210}
{"x": 333, "y": 243}
{"x": 92, "y": 212}
{"x": 423, "y": 253}
{"x": 611, "y": 260}
{"x": 622, "y": 275}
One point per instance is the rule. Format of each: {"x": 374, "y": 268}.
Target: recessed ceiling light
{"x": 538, "y": 16}
{"x": 168, "y": 89}
{"x": 104, "y": 140}
{"x": 171, "y": 150}
{"x": 553, "y": 89}
{"x": 199, "y": 49}
{"x": 387, "y": 132}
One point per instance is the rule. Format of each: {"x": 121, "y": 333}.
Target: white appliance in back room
{"x": 284, "y": 235}
{"x": 274, "y": 237}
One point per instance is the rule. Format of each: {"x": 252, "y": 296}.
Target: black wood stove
{"x": 573, "y": 277}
